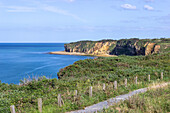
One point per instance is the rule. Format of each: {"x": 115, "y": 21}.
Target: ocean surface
{"x": 24, "y": 60}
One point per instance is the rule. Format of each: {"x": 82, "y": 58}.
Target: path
{"x": 105, "y": 104}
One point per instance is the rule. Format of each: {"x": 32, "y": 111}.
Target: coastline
{"x": 79, "y": 54}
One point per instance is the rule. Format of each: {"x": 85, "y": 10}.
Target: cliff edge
{"x": 120, "y": 47}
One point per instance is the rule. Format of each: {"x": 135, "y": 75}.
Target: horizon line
{"x": 83, "y": 40}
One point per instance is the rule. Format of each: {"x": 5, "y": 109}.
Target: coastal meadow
{"x": 80, "y": 76}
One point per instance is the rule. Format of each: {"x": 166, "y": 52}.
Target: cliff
{"x": 91, "y": 47}
{"x": 120, "y": 47}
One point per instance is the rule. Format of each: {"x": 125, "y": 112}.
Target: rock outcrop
{"x": 90, "y": 47}
{"x": 120, "y": 47}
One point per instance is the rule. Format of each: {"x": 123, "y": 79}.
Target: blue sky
{"x": 73, "y": 20}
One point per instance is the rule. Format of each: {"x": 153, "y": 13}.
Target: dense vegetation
{"x": 153, "y": 101}
{"x": 81, "y": 75}
{"x": 114, "y": 68}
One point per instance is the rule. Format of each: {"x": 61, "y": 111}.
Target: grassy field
{"x": 153, "y": 101}
{"x": 81, "y": 75}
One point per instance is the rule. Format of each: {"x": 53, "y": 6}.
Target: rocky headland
{"x": 109, "y": 48}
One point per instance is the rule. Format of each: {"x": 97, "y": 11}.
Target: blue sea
{"x": 24, "y": 60}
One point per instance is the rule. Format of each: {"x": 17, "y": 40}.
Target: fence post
{"x": 126, "y": 82}
{"x": 149, "y": 78}
{"x": 162, "y": 75}
{"x": 98, "y": 85}
{"x": 40, "y": 105}
{"x": 90, "y": 91}
{"x": 136, "y": 80}
{"x": 59, "y": 100}
{"x": 12, "y": 109}
{"x": 115, "y": 84}
{"x": 104, "y": 86}
{"x": 75, "y": 93}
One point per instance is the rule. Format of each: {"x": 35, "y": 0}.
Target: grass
{"x": 109, "y": 69}
{"x": 81, "y": 75}
{"x": 152, "y": 101}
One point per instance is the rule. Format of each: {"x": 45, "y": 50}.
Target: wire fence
{"x": 90, "y": 90}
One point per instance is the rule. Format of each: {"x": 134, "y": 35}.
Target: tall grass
{"x": 152, "y": 101}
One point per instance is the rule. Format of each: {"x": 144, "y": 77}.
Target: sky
{"x": 74, "y": 20}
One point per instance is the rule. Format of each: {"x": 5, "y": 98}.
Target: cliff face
{"x": 120, "y": 47}
{"x": 90, "y": 47}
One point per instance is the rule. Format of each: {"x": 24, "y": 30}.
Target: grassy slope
{"x": 81, "y": 75}
{"x": 114, "y": 68}
{"x": 153, "y": 101}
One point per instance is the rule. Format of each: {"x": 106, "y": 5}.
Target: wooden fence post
{"x": 136, "y": 80}
{"x": 40, "y": 105}
{"x": 149, "y": 78}
{"x": 104, "y": 86}
{"x": 98, "y": 85}
{"x": 59, "y": 100}
{"x": 115, "y": 84}
{"x": 75, "y": 93}
{"x": 90, "y": 91}
{"x": 12, "y": 109}
{"x": 162, "y": 75}
{"x": 126, "y": 82}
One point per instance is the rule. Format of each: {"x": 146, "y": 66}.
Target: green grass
{"x": 113, "y": 68}
{"x": 152, "y": 101}
{"x": 81, "y": 75}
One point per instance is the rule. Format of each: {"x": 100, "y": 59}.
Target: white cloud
{"x": 63, "y": 12}
{"x": 45, "y": 7}
{"x": 128, "y": 6}
{"x": 20, "y": 9}
{"x": 147, "y": 7}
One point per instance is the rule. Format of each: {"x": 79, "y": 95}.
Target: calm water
{"x": 21, "y": 60}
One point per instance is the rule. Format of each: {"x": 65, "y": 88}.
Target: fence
{"x": 61, "y": 102}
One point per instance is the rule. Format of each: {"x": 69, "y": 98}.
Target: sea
{"x": 29, "y": 60}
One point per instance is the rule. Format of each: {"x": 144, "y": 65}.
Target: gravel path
{"x": 105, "y": 104}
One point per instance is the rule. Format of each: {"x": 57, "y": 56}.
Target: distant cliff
{"x": 120, "y": 47}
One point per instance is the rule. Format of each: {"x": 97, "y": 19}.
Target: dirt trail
{"x": 105, "y": 104}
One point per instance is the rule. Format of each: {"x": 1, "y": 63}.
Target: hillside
{"x": 120, "y": 47}
{"x": 81, "y": 75}
{"x": 114, "y": 68}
